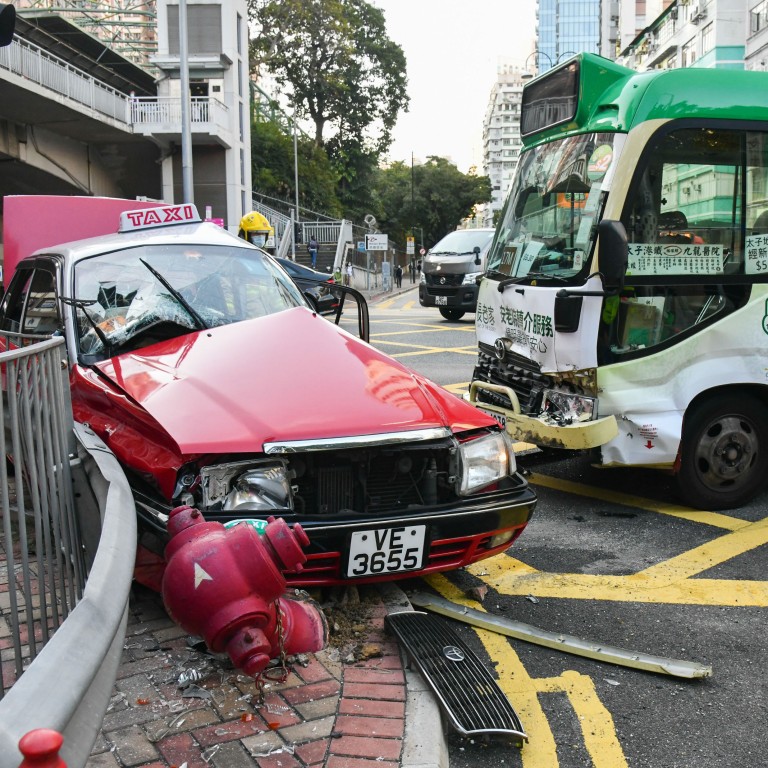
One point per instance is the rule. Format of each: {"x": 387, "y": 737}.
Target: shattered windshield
{"x": 550, "y": 217}
{"x": 131, "y": 298}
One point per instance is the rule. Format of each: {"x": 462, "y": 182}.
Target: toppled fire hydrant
{"x": 224, "y": 584}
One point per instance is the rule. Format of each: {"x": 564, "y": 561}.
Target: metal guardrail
{"x": 53, "y": 678}
{"x": 29, "y": 61}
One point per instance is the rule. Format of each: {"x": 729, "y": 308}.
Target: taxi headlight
{"x": 247, "y": 485}
{"x": 259, "y": 490}
{"x": 485, "y": 461}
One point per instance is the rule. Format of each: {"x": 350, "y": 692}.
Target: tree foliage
{"x": 337, "y": 65}
{"x": 273, "y": 173}
{"x": 431, "y": 198}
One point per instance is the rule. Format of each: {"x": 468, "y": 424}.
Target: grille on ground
{"x": 467, "y": 693}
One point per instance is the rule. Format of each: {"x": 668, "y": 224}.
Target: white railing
{"x": 165, "y": 113}
{"x": 31, "y": 62}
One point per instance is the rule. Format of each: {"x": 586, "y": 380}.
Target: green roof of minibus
{"x": 615, "y": 98}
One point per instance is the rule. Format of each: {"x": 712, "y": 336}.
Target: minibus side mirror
{"x": 476, "y": 249}
{"x": 614, "y": 252}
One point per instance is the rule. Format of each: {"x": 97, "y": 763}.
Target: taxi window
{"x": 41, "y": 315}
{"x": 15, "y": 299}
{"x": 30, "y": 306}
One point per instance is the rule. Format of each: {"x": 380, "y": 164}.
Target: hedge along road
{"x": 605, "y": 564}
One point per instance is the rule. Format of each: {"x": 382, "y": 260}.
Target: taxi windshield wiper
{"x": 201, "y": 326}
{"x": 81, "y": 304}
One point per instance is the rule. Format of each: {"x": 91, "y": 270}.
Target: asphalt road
{"x": 610, "y": 556}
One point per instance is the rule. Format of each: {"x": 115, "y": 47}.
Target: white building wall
{"x": 501, "y": 135}
{"x": 707, "y": 33}
{"x": 226, "y": 73}
{"x": 756, "y": 31}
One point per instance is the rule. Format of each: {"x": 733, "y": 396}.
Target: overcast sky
{"x": 452, "y": 50}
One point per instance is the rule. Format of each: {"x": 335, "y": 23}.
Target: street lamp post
{"x": 527, "y": 75}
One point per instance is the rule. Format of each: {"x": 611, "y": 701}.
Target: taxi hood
{"x": 289, "y": 376}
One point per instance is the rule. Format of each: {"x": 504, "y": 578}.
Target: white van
{"x": 450, "y": 270}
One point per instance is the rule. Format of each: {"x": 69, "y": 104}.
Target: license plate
{"x": 386, "y": 550}
{"x": 500, "y": 417}
{"x": 441, "y": 301}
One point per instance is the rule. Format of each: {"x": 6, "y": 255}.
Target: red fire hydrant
{"x": 224, "y": 584}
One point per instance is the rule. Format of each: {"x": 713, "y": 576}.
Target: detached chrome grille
{"x": 465, "y": 689}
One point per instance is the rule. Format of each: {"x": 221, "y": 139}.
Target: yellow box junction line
{"x": 523, "y": 691}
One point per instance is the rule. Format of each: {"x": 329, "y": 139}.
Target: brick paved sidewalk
{"x": 336, "y": 708}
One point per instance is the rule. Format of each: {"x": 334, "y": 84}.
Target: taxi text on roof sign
{"x": 157, "y": 217}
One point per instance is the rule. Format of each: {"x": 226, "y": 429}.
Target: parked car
{"x": 316, "y": 285}
{"x": 199, "y": 363}
{"x": 450, "y": 270}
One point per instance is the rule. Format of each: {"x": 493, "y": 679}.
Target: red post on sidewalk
{"x": 41, "y": 749}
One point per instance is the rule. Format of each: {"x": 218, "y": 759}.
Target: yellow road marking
{"x": 666, "y": 582}
{"x": 716, "y": 519}
{"x": 419, "y": 349}
{"x": 523, "y": 692}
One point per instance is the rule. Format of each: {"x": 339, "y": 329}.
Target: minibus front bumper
{"x": 542, "y": 430}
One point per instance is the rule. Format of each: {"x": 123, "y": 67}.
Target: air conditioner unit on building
{"x": 696, "y": 14}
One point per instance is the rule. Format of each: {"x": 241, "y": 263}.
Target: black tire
{"x": 452, "y": 314}
{"x": 724, "y": 452}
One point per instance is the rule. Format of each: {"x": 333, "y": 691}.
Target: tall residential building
{"x": 707, "y": 34}
{"x": 128, "y": 27}
{"x": 501, "y": 135}
{"x": 634, "y": 17}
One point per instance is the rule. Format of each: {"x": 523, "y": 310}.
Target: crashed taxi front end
{"x": 199, "y": 363}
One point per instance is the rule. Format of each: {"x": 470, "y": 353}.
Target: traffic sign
{"x": 361, "y": 245}
{"x": 410, "y": 244}
{"x": 376, "y": 242}
{"x": 422, "y": 251}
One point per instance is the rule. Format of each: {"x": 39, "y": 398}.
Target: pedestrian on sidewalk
{"x": 412, "y": 270}
{"x": 348, "y": 276}
{"x": 312, "y": 247}
{"x": 399, "y": 276}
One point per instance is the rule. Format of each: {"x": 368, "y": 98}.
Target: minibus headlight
{"x": 485, "y": 461}
{"x": 569, "y": 406}
{"x": 470, "y": 278}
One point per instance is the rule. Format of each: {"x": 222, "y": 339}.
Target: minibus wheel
{"x": 724, "y": 452}
{"x": 452, "y": 314}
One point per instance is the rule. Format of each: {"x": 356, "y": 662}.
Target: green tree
{"x": 336, "y": 64}
{"x": 273, "y": 171}
{"x": 434, "y": 196}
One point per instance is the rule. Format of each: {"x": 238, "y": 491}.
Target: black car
{"x": 315, "y": 285}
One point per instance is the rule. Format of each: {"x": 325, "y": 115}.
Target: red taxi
{"x": 197, "y": 360}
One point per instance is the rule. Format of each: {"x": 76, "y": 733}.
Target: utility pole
{"x": 188, "y": 193}
{"x": 295, "y": 178}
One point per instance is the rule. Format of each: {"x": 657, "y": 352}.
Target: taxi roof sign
{"x": 143, "y": 218}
